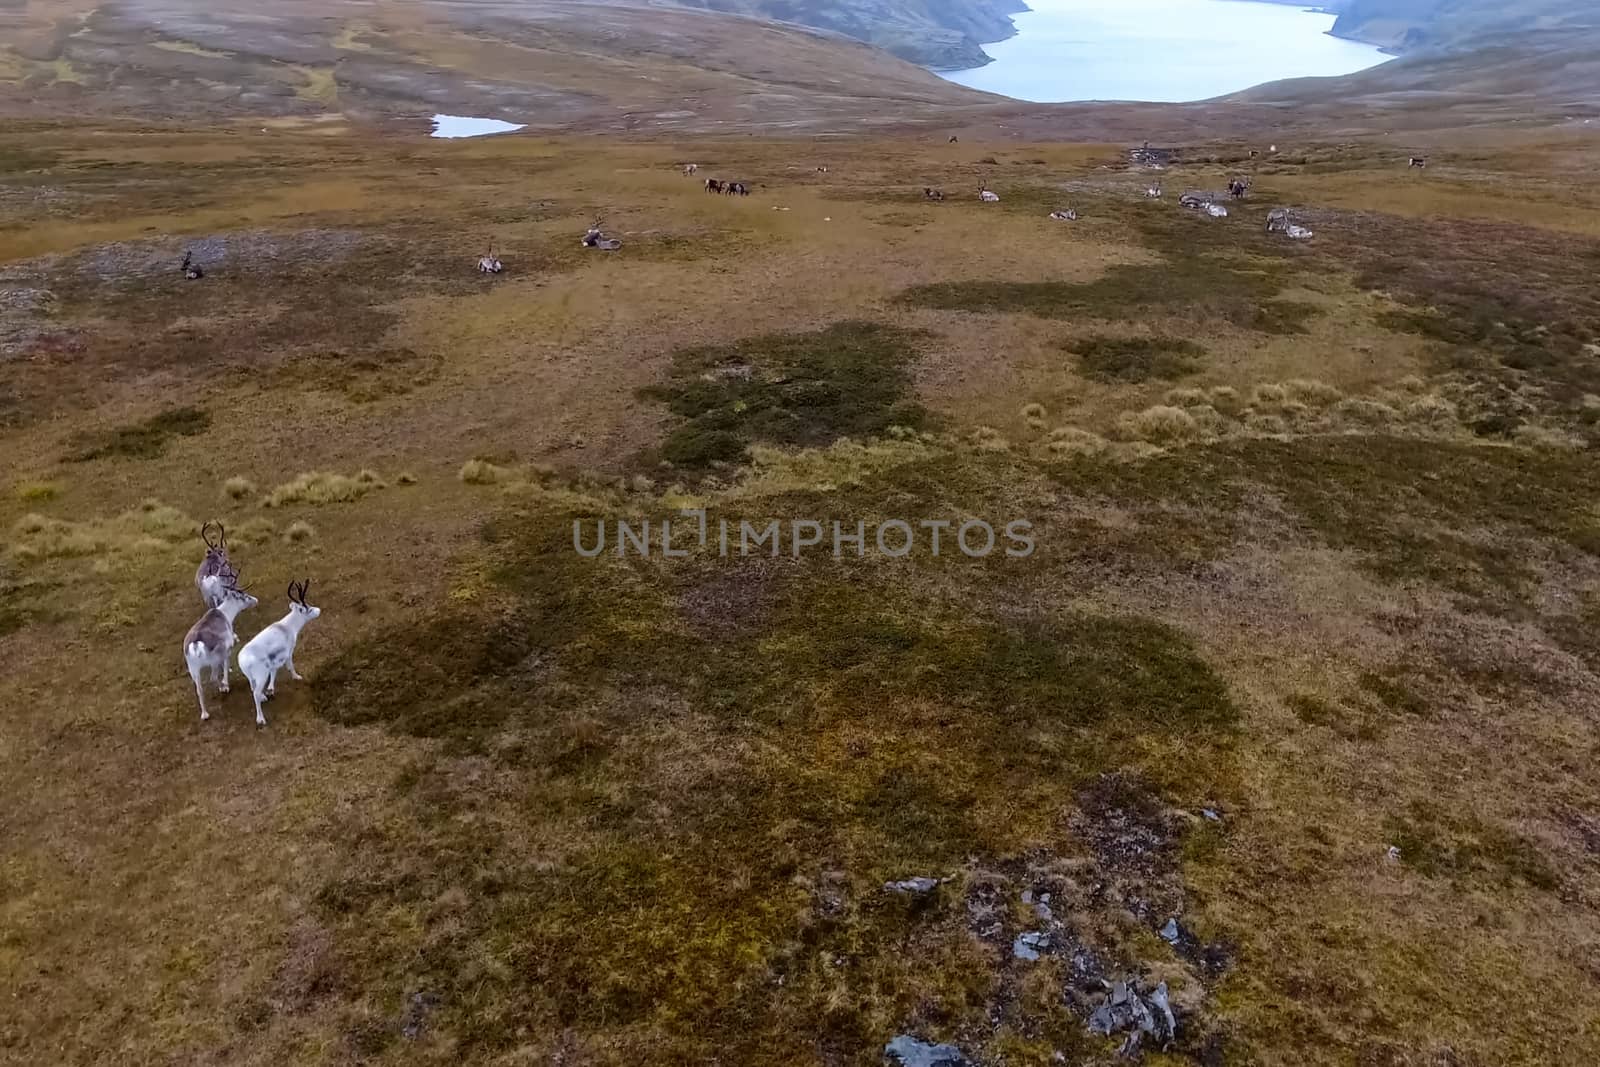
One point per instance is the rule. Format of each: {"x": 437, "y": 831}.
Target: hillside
{"x": 550, "y": 64}
{"x": 1286, "y": 726}
{"x": 942, "y": 34}
{"x": 1409, "y": 25}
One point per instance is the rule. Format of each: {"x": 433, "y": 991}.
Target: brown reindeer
{"x": 713, "y": 186}
{"x": 215, "y": 572}
{"x": 932, "y": 194}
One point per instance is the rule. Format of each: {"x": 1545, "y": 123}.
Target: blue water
{"x": 1161, "y": 50}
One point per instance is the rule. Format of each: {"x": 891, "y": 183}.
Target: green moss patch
{"x": 143, "y": 440}
{"x": 849, "y": 380}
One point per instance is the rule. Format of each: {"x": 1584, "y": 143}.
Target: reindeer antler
{"x": 205, "y": 535}
{"x": 297, "y": 592}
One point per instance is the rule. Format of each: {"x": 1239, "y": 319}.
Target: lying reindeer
{"x": 932, "y": 194}
{"x": 272, "y": 649}
{"x": 490, "y": 264}
{"x": 215, "y": 572}
{"x": 596, "y": 239}
{"x": 987, "y": 197}
{"x": 209, "y": 641}
{"x": 191, "y": 269}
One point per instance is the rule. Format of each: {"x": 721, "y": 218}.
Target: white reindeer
{"x": 209, "y": 641}
{"x": 490, "y": 263}
{"x": 273, "y": 648}
{"x": 690, "y": 169}
{"x": 1154, "y": 192}
{"x": 986, "y": 196}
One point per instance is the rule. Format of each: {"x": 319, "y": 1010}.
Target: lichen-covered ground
{"x": 1292, "y": 709}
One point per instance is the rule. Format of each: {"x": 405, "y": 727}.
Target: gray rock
{"x": 1211, "y": 814}
{"x": 1125, "y": 1011}
{"x": 907, "y": 1051}
{"x": 917, "y": 887}
{"x": 1170, "y": 933}
{"x": 1158, "y": 1000}
{"x": 1028, "y": 946}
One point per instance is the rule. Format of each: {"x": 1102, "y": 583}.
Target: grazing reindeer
{"x": 490, "y": 263}
{"x": 595, "y": 239}
{"x": 209, "y": 641}
{"x": 1238, "y": 187}
{"x": 737, "y": 189}
{"x": 1069, "y": 215}
{"x": 713, "y": 186}
{"x": 191, "y": 269}
{"x": 1154, "y": 192}
{"x": 932, "y": 194}
{"x": 1419, "y": 161}
{"x": 215, "y": 572}
{"x": 272, "y": 649}
{"x": 986, "y": 196}
{"x": 690, "y": 169}
{"x": 954, "y": 140}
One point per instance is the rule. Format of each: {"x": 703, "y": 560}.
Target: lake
{"x": 466, "y": 126}
{"x": 1161, "y": 50}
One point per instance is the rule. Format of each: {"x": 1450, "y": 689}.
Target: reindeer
{"x": 191, "y": 269}
{"x": 954, "y": 140}
{"x": 713, "y": 186}
{"x": 1279, "y": 220}
{"x": 215, "y": 573}
{"x": 272, "y": 649}
{"x": 595, "y": 239}
{"x": 1154, "y": 192}
{"x": 1069, "y": 215}
{"x": 932, "y": 194}
{"x": 490, "y": 263}
{"x": 1418, "y": 161}
{"x": 986, "y": 196}
{"x": 690, "y": 169}
{"x": 209, "y": 641}
{"x": 1238, "y": 187}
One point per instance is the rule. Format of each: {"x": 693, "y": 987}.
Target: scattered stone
{"x": 1210, "y": 815}
{"x": 916, "y": 887}
{"x": 1028, "y": 945}
{"x": 1125, "y": 1010}
{"x": 1170, "y": 933}
{"x": 907, "y": 1051}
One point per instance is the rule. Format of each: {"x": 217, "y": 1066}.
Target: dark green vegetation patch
{"x": 1445, "y": 844}
{"x": 848, "y": 380}
{"x": 146, "y": 439}
{"x": 1136, "y": 359}
{"x": 727, "y": 759}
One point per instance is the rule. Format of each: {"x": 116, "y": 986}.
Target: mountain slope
{"x": 943, "y": 34}
{"x": 547, "y": 64}
{"x": 1407, "y": 25}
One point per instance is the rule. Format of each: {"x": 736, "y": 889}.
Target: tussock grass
{"x": 319, "y": 488}
{"x": 483, "y": 472}
{"x": 1160, "y": 425}
{"x": 37, "y": 492}
{"x": 406, "y": 478}
{"x": 150, "y": 528}
{"x": 1072, "y": 441}
{"x": 238, "y": 488}
{"x": 299, "y": 531}
{"x": 1311, "y": 393}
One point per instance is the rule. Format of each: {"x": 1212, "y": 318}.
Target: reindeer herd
{"x": 210, "y": 641}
